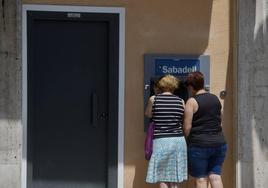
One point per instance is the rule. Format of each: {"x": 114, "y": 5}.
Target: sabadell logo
{"x": 177, "y": 70}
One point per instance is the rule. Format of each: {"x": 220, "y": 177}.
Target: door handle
{"x": 104, "y": 116}
{"x": 94, "y": 110}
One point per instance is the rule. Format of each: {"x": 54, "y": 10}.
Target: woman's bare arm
{"x": 190, "y": 109}
{"x": 148, "y": 110}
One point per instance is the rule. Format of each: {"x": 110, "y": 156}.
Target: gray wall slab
{"x": 252, "y": 95}
{"x": 10, "y": 93}
{"x": 9, "y": 174}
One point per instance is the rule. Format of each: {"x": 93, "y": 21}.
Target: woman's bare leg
{"x": 215, "y": 181}
{"x": 174, "y": 185}
{"x": 201, "y": 182}
{"x": 164, "y": 185}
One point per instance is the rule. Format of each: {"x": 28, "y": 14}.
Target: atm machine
{"x": 158, "y": 65}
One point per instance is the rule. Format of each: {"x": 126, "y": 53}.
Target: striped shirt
{"x": 168, "y": 113}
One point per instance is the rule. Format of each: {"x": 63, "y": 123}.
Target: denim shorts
{"x": 206, "y": 160}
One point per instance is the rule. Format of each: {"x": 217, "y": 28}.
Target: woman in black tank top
{"x": 202, "y": 127}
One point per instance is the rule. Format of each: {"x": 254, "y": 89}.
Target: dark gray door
{"x": 72, "y": 99}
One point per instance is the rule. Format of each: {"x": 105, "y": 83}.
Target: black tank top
{"x": 206, "y": 128}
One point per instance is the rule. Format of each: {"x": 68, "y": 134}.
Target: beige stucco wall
{"x": 173, "y": 27}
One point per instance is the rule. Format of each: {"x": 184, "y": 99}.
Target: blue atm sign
{"x": 176, "y": 67}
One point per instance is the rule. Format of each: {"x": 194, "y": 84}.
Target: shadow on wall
{"x": 182, "y": 26}
{"x": 252, "y": 95}
{"x": 228, "y": 115}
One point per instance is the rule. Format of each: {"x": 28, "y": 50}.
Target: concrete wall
{"x": 252, "y": 81}
{"x": 10, "y": 94}
{"x": 177, "y": 26}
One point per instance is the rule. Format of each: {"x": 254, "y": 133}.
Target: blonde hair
{"x": 168, "y": 83}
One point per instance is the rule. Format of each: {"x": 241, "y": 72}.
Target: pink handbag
{"x": 148, "y": 146}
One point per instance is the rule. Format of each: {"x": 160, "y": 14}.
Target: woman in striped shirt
{"x": 168, "y": 163}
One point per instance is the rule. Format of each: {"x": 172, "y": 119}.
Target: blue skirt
{"x": 168, "y": 162}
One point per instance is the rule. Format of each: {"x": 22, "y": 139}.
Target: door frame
{"x": 121, "y": 85}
